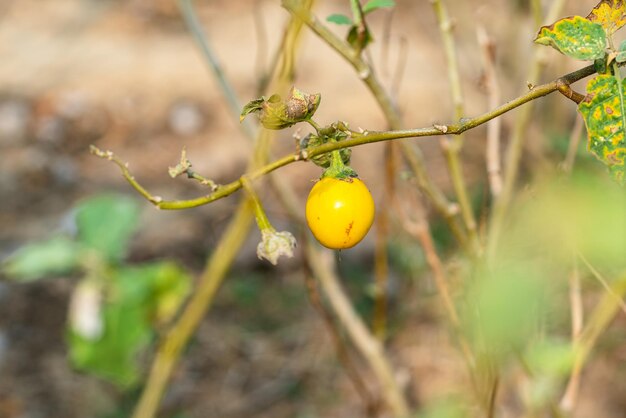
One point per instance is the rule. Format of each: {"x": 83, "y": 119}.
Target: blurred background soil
{"x": 126, "y": 76}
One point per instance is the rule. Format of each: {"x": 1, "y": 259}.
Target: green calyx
{"x": 323, "y": 160}
{"x": 337, "y": 168}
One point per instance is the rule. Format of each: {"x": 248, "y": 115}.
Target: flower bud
{"x": 274, "y": 113}
{"x": 275, "y": 244}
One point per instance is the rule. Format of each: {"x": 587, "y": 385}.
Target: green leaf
{"x": 604, "y": 111}
{"x": 372, "y": 5}
{"x": 339, "y": 19}
{"x": 251, "y": 107}
{"x": 135, "y": 301}
{"x": 106, "y": 224}
{"x": 59, "y": 255}
{"x": 621, "y": 53}
{"x": 113, "y": 355}
{"x": 611, "y": 14}
{"x": 170, "y": 288}
{"x": 575, "y": 37}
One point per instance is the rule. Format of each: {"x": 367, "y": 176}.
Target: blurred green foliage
{"x": 115, "y": 308}
{"x": 511, "y": 308}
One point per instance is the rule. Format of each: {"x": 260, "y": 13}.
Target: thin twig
{"x": 371, "y": 404}
{"x": 357, "y": 139}
{"x": 493, "y": 395}
{"x": 514, "y": 153}
{"x": 381, "y": 257}
{"x": 369, "y": 347}
{"x": 599, "y": 320}
{"x": 261, "y": 39}
{"x": 385, "y": 41}
{"x": 367, "y": 75}
{"x": 598, "y": 276}
{"x": 452, "y": 148}
{"x": 191, "y": 19}
{"x": 572, "y": 149}
{"x": 420, "y": 230}
{"x": 184, "y": 167}
{"x": 398, "y": 75}
{"x": 568, "y": 401}
{"x": 176, "y": 339}
{"x": 494, "y": 127}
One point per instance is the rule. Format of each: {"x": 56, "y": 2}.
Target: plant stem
{"x": 259, "y": 213}
{"x": 494, "y": 127}
{"x": 342, "y": 349}
{"x": 218, "y": 264}
{"x": 599, "y": 320}
{"x": 176, "y": 339}
{"x": 363, "y": 340}
{"x": 452, "y": 149}
{"x": 514, "y": 153}
{"x": 577, "y": 312}
{"x": 199, "y": 35}
{"x": 356, "y": 140}
{"x": 366, "y": 73}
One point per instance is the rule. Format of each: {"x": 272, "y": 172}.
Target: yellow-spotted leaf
{"x": 611, "y": 14}
{"x": 604, "y": 112}
{"x": 575, "y": 37}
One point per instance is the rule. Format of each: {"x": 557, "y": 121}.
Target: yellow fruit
{"x": 339, "y": 212}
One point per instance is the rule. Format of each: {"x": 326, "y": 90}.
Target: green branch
{"x": 367, "y": 137}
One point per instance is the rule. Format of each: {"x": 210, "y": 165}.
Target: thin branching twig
{"x": 494, "y": 127}
{"x": 367, "y": 137}
{"x": 369, "y": 347}
{"x": 177, "y": 337}
{"x": 514, "y": 152}
{"x": 452, "y": 147}
{"x": 568, "y": 401}
{"x": 599, "y": 320}
{"x": 371, "y": 403}
{"x": 398, "y": 74}
{"x": 572, "y": 148}
{"x": 605, "y": 284}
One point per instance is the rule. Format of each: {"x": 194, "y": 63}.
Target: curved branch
{"x": 354, "y": 140}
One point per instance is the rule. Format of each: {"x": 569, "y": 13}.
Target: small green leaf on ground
{"x": 35, "y": 261}
{"x": 575, "y": 37}
{"x": 106, "y": 224}
{"x": 134, "y": 299}
{"x": 611, "y": 14}
{"x": 604, "y": 112}
{"x": 372, "y": 5}
{"x": 339, "y": 19}
{"x": 113, "y": 356}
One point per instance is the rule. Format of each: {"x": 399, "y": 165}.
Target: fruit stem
{"x": 337, "y": 168}
{"x": 259, "y": 213}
